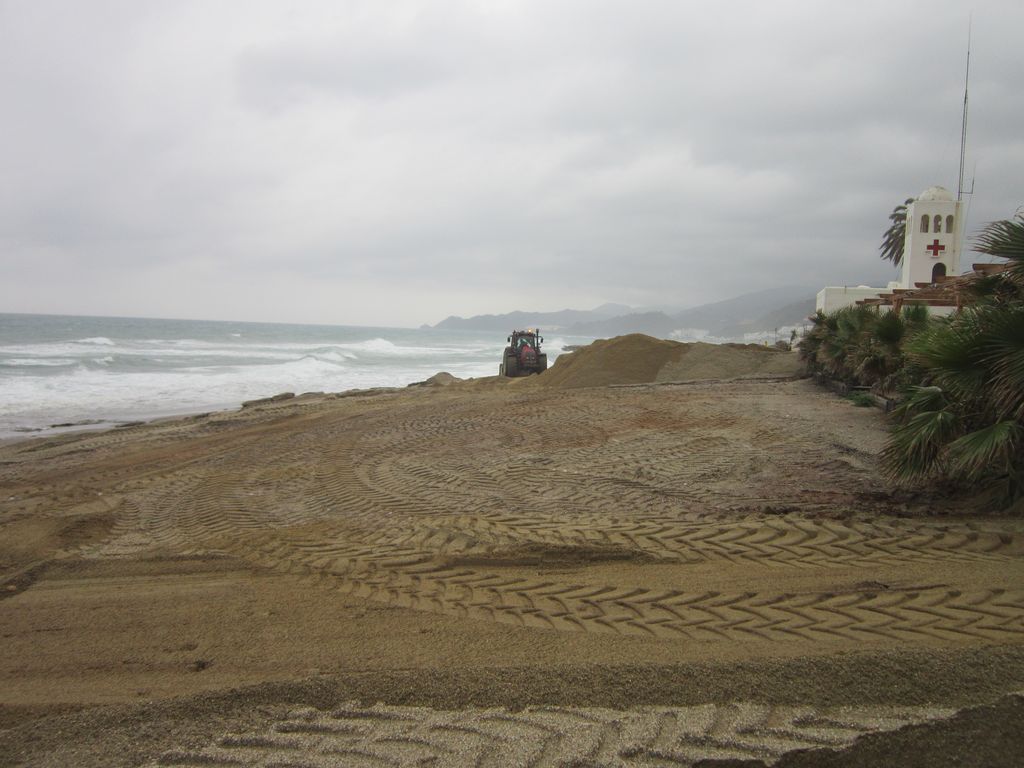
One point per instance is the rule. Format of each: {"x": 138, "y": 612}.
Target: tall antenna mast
{"x": 963, "y": 129}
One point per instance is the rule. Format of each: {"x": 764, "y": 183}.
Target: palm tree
{"x": 967, "y": 420}
{"x": 850, "y": 341}
{"x": 1005, "y": 239}
{"x": 810, "y": 344}
{"x": 895, "y": 235}
{"x": 879, "y": 358}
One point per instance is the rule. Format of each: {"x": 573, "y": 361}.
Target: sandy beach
{"x": 653, "y": 554}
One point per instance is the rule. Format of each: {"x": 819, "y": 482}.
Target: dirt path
{"x": 483, "y": 527}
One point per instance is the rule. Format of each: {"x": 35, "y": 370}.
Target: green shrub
{"x": 862, "y": 399}
{"x": 962, "y": 418}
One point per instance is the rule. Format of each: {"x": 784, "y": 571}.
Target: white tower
{"x": 932, "y": 245}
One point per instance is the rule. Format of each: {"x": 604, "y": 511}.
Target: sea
{"x": 60, "y": 373}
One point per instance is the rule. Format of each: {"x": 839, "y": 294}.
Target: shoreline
{"x": 72, "y": 370}
{"x": 102, "y": 425}
{"x": 650, "y": 362}
{"x": 99, "y": 425}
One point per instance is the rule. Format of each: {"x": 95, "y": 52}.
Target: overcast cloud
{"x": 395, "y": 162}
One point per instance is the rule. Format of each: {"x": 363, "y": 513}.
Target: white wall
{"x": 836, "y": 297}
{"x": 918, "y": 260}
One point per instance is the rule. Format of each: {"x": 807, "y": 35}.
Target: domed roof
{"x": 935, "y": 194}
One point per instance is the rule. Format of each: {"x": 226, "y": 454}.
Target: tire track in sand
{"x": 366, "y": 505}
{"x": 411, "y": 579}
{"x": 546, "y": 736}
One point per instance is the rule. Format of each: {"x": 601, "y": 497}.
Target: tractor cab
{"x": 522, "y": 355}
{"x": 527, "y": 338}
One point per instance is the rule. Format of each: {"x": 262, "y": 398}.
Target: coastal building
{"x": 931, "y": 252}
{"x": 932, "y": 246}
{"x": 833, "y": 297}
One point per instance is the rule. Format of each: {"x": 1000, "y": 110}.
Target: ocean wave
{"x": 309, "y": 366}
{"x": 273, "y": 349}
{"x": 550, "y": 347}
{"x": 47, "y": 362}
{"x": 384, "y": 347}
{"x": 88, "y": 391}
{"x": 43, "y": 382}
{"x": 332, "y": 355}
{"x": 188, "y": 344}
{"x": 58, "y": 349}
{"x": 379, "y": 346}
{"x": 67, "y": 350}
{"x": 97, "y": 340}
{"x": 227, "y": 353}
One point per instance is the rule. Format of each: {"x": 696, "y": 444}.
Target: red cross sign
{"x": 935, "y": 248}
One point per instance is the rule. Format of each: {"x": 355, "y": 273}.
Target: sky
{"x": 392, "y": 163}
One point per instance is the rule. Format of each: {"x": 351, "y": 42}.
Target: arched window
{"x": 949, "y": 223}
{"x": 939, "y": 270}
{"x": 938, "y": 223}
{"x": 924, "y": 222}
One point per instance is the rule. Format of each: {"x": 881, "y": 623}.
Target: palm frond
{"x": 987, "y": 451}
{"x": 889, "y": 328}
{"x": 920, "y": 400}
{"x": 894, "y": 237}
{"x": 1003, "y": 355}
{"x": 915, "y": 449}
{"x": 990, "y": 289}
{"x": 949, "y": 351}
{"x": 916, "y": 314}
{"x": 1005, "y": 239}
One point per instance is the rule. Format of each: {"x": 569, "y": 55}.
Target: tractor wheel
{"x": 511, "y": 366}
{"x": 542, "y": 363}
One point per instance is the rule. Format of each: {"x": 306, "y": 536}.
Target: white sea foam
{"x": 385, "y": 347}
{"x": 331, "y": 355}
{"x": 553, "y": 347}
{"x": 51, "y": 362}
{"x": 97, "y": 392}
{"x": 99, "y": 340}
{"x": 382, "y": 346}
{"x": 73, "y": 349}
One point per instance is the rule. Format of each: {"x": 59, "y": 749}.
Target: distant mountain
{"x": 757, "y": 311}
{"x": 656, "y": 324}
{"x": 729, "y": 319}
{"x": 612, "y": 310}
{"x": 544, "y": 320}
{"x": 794, "y": 313}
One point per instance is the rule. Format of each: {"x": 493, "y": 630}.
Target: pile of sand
{"x": 632, "y": 359}
{"x": 639, "y": 359}
{"x": 729, "y": 361}
{"x": 440, "y": 379}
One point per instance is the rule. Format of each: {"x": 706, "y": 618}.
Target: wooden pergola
{"x": 946, "y": 291}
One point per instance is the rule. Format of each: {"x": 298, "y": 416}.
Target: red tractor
{"x": 523, "y": 356}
